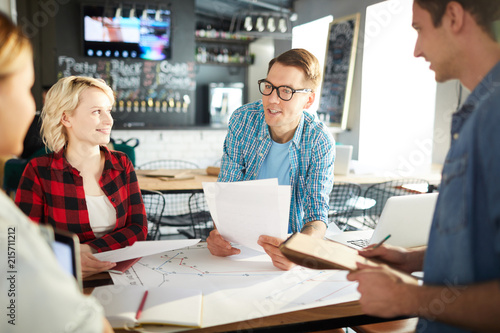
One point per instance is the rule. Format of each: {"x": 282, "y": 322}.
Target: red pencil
{"x": 141, "y": 306}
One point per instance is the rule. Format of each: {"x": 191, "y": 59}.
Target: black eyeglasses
{"x": 284, "y": 92}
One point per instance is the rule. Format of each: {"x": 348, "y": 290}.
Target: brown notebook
{"x": 315, "y": 253}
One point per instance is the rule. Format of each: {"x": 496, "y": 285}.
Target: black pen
{"x": 381, "y": 242}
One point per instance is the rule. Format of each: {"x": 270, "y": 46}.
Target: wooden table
{"x": 197, "y": 176}
{"x": 433, "y": 176}
{"x": 309, "y": 320}
{"x": 189, "y": 182}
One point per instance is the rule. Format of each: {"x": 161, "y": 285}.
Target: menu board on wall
{"x": 149, "y": 94}
{"x": 338, "y": 71}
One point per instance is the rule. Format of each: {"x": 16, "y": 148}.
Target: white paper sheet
{"x": 144, "y": 248}
{"x": 242, "y": 211}
{"x": 240, "y": 287}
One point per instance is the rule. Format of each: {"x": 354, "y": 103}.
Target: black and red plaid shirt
{"x": 51, "y": 191}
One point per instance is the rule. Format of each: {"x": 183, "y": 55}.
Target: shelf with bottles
{"x": 226, "y": 37}
{"x": 235, "y": 55}
{"x": 175, "y": 103}
{"x": 223, "y": 40}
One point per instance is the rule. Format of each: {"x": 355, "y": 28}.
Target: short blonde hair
{"x": 64, "y": 97}
{"x": 15, "y": 48}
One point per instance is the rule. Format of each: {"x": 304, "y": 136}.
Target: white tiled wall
{"x": 203, "y": 147}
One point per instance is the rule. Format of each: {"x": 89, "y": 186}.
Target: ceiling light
{"x": 282, "y": 26}
{"x": 271, "y": 24}
{"x": 144, "y": 15}
{"x": 132, "y": 12}
{"x": 259, "y": 24}
{"x": 158, "y": 15}
{"x": 248, "y": 23}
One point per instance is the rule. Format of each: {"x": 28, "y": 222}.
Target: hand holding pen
{"x": 394, "y": 256}
{"x": 381, "y": 242}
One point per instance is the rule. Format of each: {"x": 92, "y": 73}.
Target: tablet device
{"x": 66, "y": 247}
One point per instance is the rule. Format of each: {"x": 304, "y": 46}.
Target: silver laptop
{"x": 343, "y": 156}
{"x": 406, "y": 218}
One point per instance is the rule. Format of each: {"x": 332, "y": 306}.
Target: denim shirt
{"x": 311, "y": 153}
{"x": 464, "y": 242}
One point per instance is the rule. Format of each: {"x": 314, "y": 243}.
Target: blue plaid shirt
{"x": 312, "y": 152}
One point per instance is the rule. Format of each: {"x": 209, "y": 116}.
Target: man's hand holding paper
{"x": 220, "y": 247}
{"x": 271, "y": 246}
{"x": 243, "y": 211}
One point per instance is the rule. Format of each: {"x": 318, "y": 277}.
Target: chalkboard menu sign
{"x": 339, "y": 70}
{"x": 149, "y": 94}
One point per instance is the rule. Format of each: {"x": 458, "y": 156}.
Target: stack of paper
{"x": 242, "y": 211}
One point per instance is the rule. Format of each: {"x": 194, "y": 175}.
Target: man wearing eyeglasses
{"x": 275, "y": 138}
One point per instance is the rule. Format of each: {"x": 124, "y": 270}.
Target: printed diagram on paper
{"x": 245, "y": 286}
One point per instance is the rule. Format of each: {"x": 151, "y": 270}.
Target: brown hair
{"x": 302, "y": 59}
{"x": 14, "y": 47}
{"x": 485, "y": 12}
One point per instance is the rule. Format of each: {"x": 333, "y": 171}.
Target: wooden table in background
{"x": 193, "y": 184}
{"x": 172, "y": 185}
{"x": 433, "y": 176}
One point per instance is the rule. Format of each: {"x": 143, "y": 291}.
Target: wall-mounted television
{"x": 145, "y": 36}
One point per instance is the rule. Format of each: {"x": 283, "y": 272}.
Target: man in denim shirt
{"x": 461, "y": 291}
{"x": 275, "y": 138}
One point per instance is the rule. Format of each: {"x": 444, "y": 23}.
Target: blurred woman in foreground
{"x": 37, "y": 295}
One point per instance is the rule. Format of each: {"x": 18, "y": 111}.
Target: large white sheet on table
{"x": 240, "y": 287}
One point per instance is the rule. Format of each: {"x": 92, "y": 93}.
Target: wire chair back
{"x": 343, "y": 200}
{"x": 380, "y": 192}
{"x": 168, "y": 164}
{"x": 154, "y": 202}
{"x": 176, "y": 213}
{"x": 201, "y": 219}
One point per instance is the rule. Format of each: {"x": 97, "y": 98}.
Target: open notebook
{"x": 406, "y": 218}
{"x": 161, "y": 306}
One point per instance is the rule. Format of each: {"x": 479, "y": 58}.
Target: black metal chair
{"x": 343, "y": 200}
{"x": 176, "y": 213}
{"x": 380, "y": 192}
{"x": 201, "y": 220}
{"x": 154, "y": 202}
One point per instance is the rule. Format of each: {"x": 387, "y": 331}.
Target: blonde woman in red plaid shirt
{"x": 82, "y": 186}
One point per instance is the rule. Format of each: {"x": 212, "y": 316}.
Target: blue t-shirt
{"x": 277, "y": 163}
{"x": 464, "y": 243}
